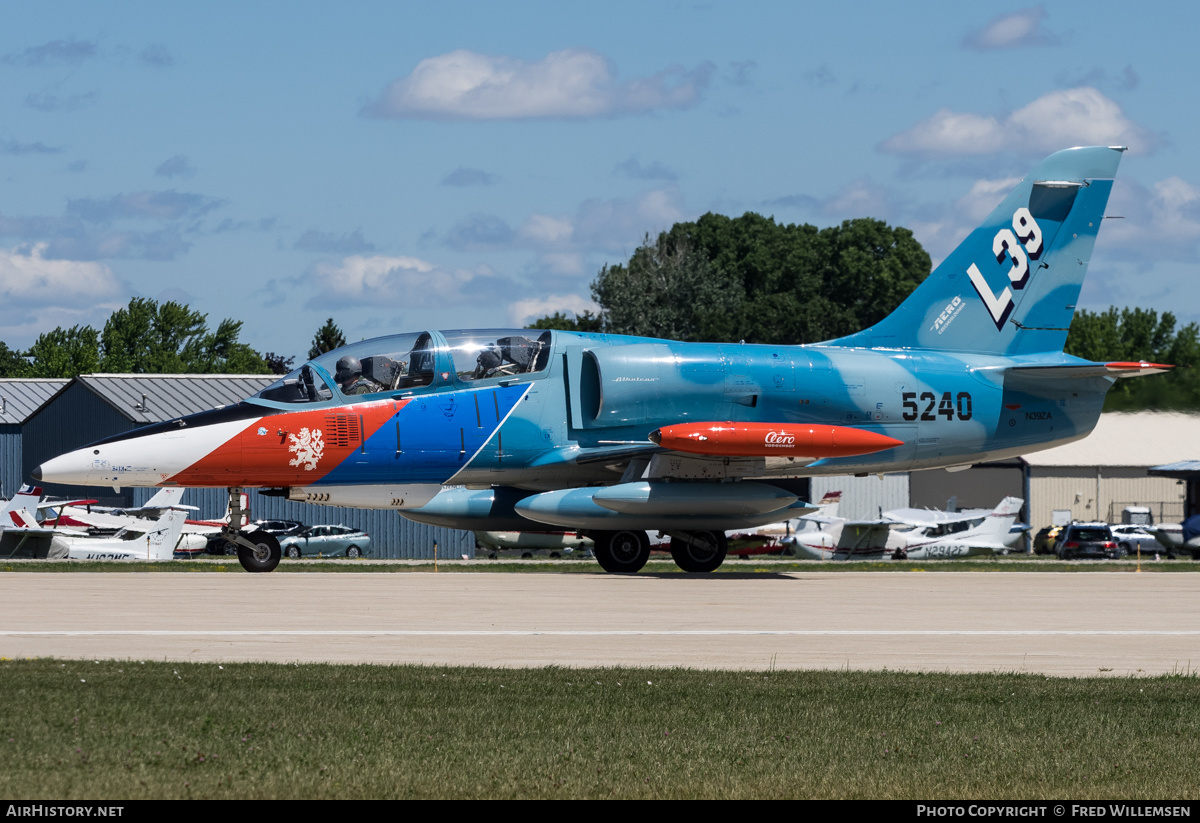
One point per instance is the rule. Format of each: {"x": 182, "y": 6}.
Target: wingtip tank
{"x": 809, "y": 440}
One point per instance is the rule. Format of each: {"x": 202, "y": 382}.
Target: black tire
{"x": 292, "y": 551}
{"x": 354, "y": 551}
{"x": 623, "y": 552}
{"x": 700, "y": 559}
{"x": 265, "y": 555}
{"x": 1124, "y": 550}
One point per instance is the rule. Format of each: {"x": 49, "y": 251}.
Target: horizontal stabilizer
{"x": 1075, "y": 371}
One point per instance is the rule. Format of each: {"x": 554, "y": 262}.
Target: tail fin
{"x": 996, "y": 526}
{"x": 164, "y": 537}
{"x": 164, "y": 497}
{"x": 828, "y": 506}
{"x": 1011, "y": 286}
{"x": 27, "y": 498}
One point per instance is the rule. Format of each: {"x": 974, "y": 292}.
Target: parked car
{"x": 1086, "y": 540}
{"x": 325, "y": 541}
{"x": 279, "y": 528}
{"x": 1130, "y": 538}
{"x": 1046, "y": 540}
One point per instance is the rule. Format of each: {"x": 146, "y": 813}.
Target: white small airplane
{"x": 1179, "y": 538}
{"x": 84, "y": 517}
{"x": 20, "y": 533}
{"x": 913, "y": 534}
{"x": 770, "y": 539}
{"x": 141, "y": 540}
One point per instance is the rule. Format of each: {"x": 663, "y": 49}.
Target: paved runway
{"x": 1060, "y": 624}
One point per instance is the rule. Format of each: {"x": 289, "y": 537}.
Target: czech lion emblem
{"x": 308, "y": 447}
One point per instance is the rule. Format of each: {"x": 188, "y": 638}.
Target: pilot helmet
{"x": 347, "y": 369}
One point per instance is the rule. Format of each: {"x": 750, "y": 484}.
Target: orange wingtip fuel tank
{"x": 771, "y": 440}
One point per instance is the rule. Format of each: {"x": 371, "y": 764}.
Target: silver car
{"x": 326, "y": 541}
{"x": 1131, "y": 537}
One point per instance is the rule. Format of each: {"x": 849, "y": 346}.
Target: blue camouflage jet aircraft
{"x": 613, "y": 436}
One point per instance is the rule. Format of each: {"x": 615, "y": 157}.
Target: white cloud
{"x": 28, "y": 279}
{"x": 544, "y": 230}
{"x": 1008, "y": 31}
{"x": 620, "y": 224}
{"x": 984, "y": 196}
{"x": 403, "y": 282}
{"x": 37, "y": 294}
{"x": 1160, "y": 223}
{"x": 569, "y": 263}
{"x": 1056, "y": 120}
{"x": 862, "y": 198}
{"x": 523, "y": 311}
{"x": 572, "y": 83}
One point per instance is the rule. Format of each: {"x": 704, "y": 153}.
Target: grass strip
{"x": 129, "y": 730}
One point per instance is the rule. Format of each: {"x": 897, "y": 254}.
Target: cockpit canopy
{"x": 404, "y": 362}
{"x": 484, "y": 353}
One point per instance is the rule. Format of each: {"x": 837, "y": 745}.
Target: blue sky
{"x": 400, "y": 166}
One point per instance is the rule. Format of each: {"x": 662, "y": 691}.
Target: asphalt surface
{"x": 1070, "y": 624}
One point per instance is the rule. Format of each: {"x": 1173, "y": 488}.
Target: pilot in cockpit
{"x": 350, "y": 377}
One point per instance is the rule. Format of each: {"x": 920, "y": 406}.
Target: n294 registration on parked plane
{"x": 612, "y": 436}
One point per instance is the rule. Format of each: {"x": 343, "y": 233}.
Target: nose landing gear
{"x": 257, "y": 550}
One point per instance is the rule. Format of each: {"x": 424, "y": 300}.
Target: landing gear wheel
{"x": 264, "y": 557}
{"x": 623, "y": 552}
{"x": 705, "y": 552}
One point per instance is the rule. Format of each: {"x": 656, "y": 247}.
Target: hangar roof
{"x": 20, "y": 397}
{"x": 1129, "y": 439}
{"x": 152, "y": 398}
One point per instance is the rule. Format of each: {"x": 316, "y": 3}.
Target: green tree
{"x": 749, "y": 278}
{"x": 146, "y": 337}
{"x": 65, "y": 353}
{"x": 1141, "y": 334}
{"x": 668, "y": 289}
{"x": 803, "y": 284}
{"x": 327, "y": 338}
{"x": 586, "y": 322}
{"x": 221, "y": 353}
{"x": 277, "y": 363}
{"x": 12, "y": 363}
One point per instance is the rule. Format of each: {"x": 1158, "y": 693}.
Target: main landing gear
{"x": 257, "y": 550}
{"x": 698, "y": 551}
{"x": 625, "y": 552}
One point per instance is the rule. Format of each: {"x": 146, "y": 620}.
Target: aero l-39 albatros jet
{"x": 612, "y": 436}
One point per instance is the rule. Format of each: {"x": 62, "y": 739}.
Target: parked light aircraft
{"x": 912, "y": 534}
{"x": 83, "y": 519}
{"x": 769, "y": 539}
{"x": 86, "y": 515}
{"x": 20, "y": 533}
{"x": 612, "y": 436}
{"x": 1184, "y": 537}
{"x": 143, "y": 539}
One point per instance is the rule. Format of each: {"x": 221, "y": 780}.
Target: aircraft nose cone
{"x": 36, "y": 474}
